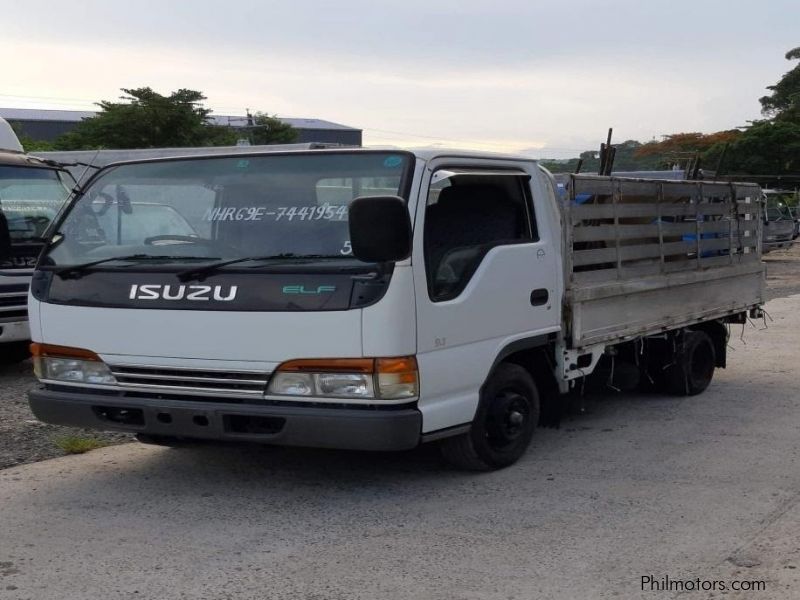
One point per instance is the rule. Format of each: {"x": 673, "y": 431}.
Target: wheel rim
{"x": 507, "y": 419}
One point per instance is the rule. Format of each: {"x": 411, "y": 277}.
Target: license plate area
{"x": 253, "y": 424}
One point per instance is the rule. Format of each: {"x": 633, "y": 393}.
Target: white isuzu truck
{"x": 32, "y": 191}
{"x": 380, "y": 299}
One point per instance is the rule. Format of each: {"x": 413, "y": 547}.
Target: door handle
{"x": 539, "y": 297}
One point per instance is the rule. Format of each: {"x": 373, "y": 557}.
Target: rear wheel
{"x": 693, "y": 366}
{"x": 504, "y": 423}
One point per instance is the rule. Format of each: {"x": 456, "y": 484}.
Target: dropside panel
{"x": 642, "y": 256}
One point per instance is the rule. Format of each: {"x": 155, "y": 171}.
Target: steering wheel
{"x": 187, "y": 240}
{"x": 109, "y": 201}
{"x": 168, "y": 239}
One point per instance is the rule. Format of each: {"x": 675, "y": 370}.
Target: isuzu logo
{"x": 200, "y": 293}
{"x": 19, "y": 261}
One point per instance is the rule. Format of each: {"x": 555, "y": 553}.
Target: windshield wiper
{"x": 78, "y": 271}
{"x": 36, "y": 239}
{"x": 200, "y": 273}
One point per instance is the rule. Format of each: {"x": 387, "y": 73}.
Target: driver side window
{"x": 465, "y": 217}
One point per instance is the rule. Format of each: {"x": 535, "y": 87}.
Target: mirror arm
{"x": 384, "y": 268}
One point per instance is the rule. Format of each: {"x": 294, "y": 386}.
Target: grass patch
{"x": 76, "y": 444}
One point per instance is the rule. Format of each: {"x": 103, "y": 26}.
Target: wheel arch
{"x": 537, "y": 356}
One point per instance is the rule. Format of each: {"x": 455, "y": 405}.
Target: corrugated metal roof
{"x": 314, "y": 124}
{"x": 70, "y": 116}
{"x": 35, "y": 114}
{"x": 241, "y": 121}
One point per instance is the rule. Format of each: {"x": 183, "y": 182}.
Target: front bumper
{"x": 14, "y": 331}
{"x": 344, "y": 428}
{"x": 775, "y": 245}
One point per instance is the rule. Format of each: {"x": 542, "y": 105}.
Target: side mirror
{"x": 380, "y": 229}
{"x": 5, "y": 238}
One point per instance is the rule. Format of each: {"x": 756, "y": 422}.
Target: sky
{"x": 542, "y": 78}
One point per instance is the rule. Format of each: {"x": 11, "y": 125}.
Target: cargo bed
{"x": 644, "y": 256}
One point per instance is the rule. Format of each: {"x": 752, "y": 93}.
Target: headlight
{"x": 338, "y": 385}
{"x": 59, "y": 363}
{"x": 381, "y": 378}
{"x": 292, "y": 384}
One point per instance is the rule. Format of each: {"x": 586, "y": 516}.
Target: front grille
{"x": 13, "y": 306}
{"x": 198, "y": 382}
{"x": 13, "y": 300}
{"x": 7, "y": 316}
{"x": 14, "y": 288}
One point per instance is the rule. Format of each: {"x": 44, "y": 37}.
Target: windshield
{"x": 774, "y": 213}
{"x": 30, "y": 198}
{"x": 779, "y": 205}
{"x": 224, "y": 208}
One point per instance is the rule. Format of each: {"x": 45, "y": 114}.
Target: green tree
{"x": 768, "y": 147}
{"x": 271, "y": 130}
{"x": 785, "y": 98}
{"x": 31, "y": 145}
{"x": 678, "y": 145}
{"x": 146, "y": 119}
{"x": 559, "y": 166}
{"x": 628, "y": 157}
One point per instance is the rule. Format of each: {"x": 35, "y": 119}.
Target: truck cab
{"x": 32, "y": 192}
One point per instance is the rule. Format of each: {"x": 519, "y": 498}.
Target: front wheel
{"x": 507, "y": 416}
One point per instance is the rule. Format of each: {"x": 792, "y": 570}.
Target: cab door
{"x": 485, "y": 270}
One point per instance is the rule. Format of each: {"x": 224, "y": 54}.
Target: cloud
{"x": 508, "y": 76}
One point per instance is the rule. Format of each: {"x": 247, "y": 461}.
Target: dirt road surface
{"x": 703, "y": 489}
{"x": 783, "y": 272}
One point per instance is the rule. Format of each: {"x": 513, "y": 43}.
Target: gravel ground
{"x": 783, "y": 272}
{"x": 23, "y": 439}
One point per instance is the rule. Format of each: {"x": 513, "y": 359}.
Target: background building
{"x": 47, "y": 125}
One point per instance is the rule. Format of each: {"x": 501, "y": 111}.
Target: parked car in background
{"x": 780, "y": 225}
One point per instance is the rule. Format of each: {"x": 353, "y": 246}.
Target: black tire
{"x": 161, "y": 440}
{"x": 693, "y": 365}
{"x": 507, "y": 416}
{"x": 14, "y": 352}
